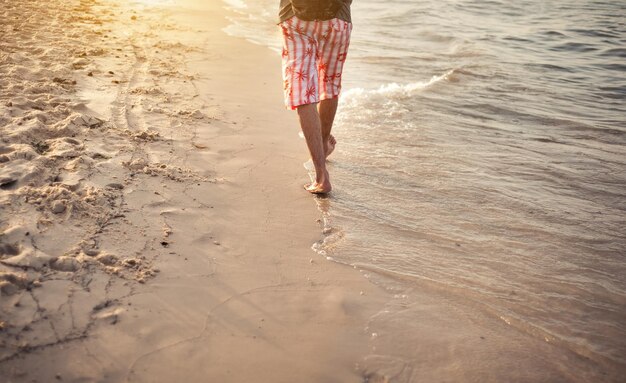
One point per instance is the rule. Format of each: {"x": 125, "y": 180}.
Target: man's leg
{"x": 327, "y": 109}
{"x": 333, "y": 50}
{"x": 312, "y": 130}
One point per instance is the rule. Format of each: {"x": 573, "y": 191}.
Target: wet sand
{"x": 153, "y": 226}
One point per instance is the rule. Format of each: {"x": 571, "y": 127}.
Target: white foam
{"x": 394, "y": 90}
{"x": 255, "y": 22}
{"x": 236, "y": 4}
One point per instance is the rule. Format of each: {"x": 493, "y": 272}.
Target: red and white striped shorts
{"x": 313, "y": 56}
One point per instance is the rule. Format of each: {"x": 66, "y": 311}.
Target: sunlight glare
{"x": 153, "y": 2}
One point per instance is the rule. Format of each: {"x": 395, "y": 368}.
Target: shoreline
{"x": 187, "y": 234}
{"x": 153, "y": 224}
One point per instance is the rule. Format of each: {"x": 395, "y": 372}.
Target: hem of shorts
{"x": 294, "y": 107}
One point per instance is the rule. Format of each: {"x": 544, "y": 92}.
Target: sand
{"x": 154, "y": 228}
{"x": 153, "y": 225}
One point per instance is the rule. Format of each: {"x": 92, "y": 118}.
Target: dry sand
{"x": 153, "y": 226}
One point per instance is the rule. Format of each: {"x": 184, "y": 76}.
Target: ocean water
{"x": 482, "y": 150}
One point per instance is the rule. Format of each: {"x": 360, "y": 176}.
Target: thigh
{"x": 334, "y": 40}
{"x": 299, "y": 62}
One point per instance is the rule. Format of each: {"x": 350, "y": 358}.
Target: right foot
{"x": 330, "y": 145}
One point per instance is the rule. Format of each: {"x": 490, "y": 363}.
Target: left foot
{"x": 319, "y": 187}
{"x": 316, "y": 188}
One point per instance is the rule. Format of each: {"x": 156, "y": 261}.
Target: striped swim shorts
{"x": 313, "y": 56}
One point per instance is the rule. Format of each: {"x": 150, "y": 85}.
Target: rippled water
{"x": 483, "y": 150}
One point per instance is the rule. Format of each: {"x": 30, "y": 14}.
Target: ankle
{"x": 322, "y": 177}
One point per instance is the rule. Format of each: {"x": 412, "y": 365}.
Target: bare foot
{"x": 330, "y": 145}
{"x": 316, "y": 188}
{"x": 320, "y": 186}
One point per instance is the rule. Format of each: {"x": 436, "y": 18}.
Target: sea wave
{"x": 393, "y": 90}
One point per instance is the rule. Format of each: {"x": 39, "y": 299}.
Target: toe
{"x": 316, "y": 188}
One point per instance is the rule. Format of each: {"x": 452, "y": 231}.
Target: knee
{"x": 306, "y": 109}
